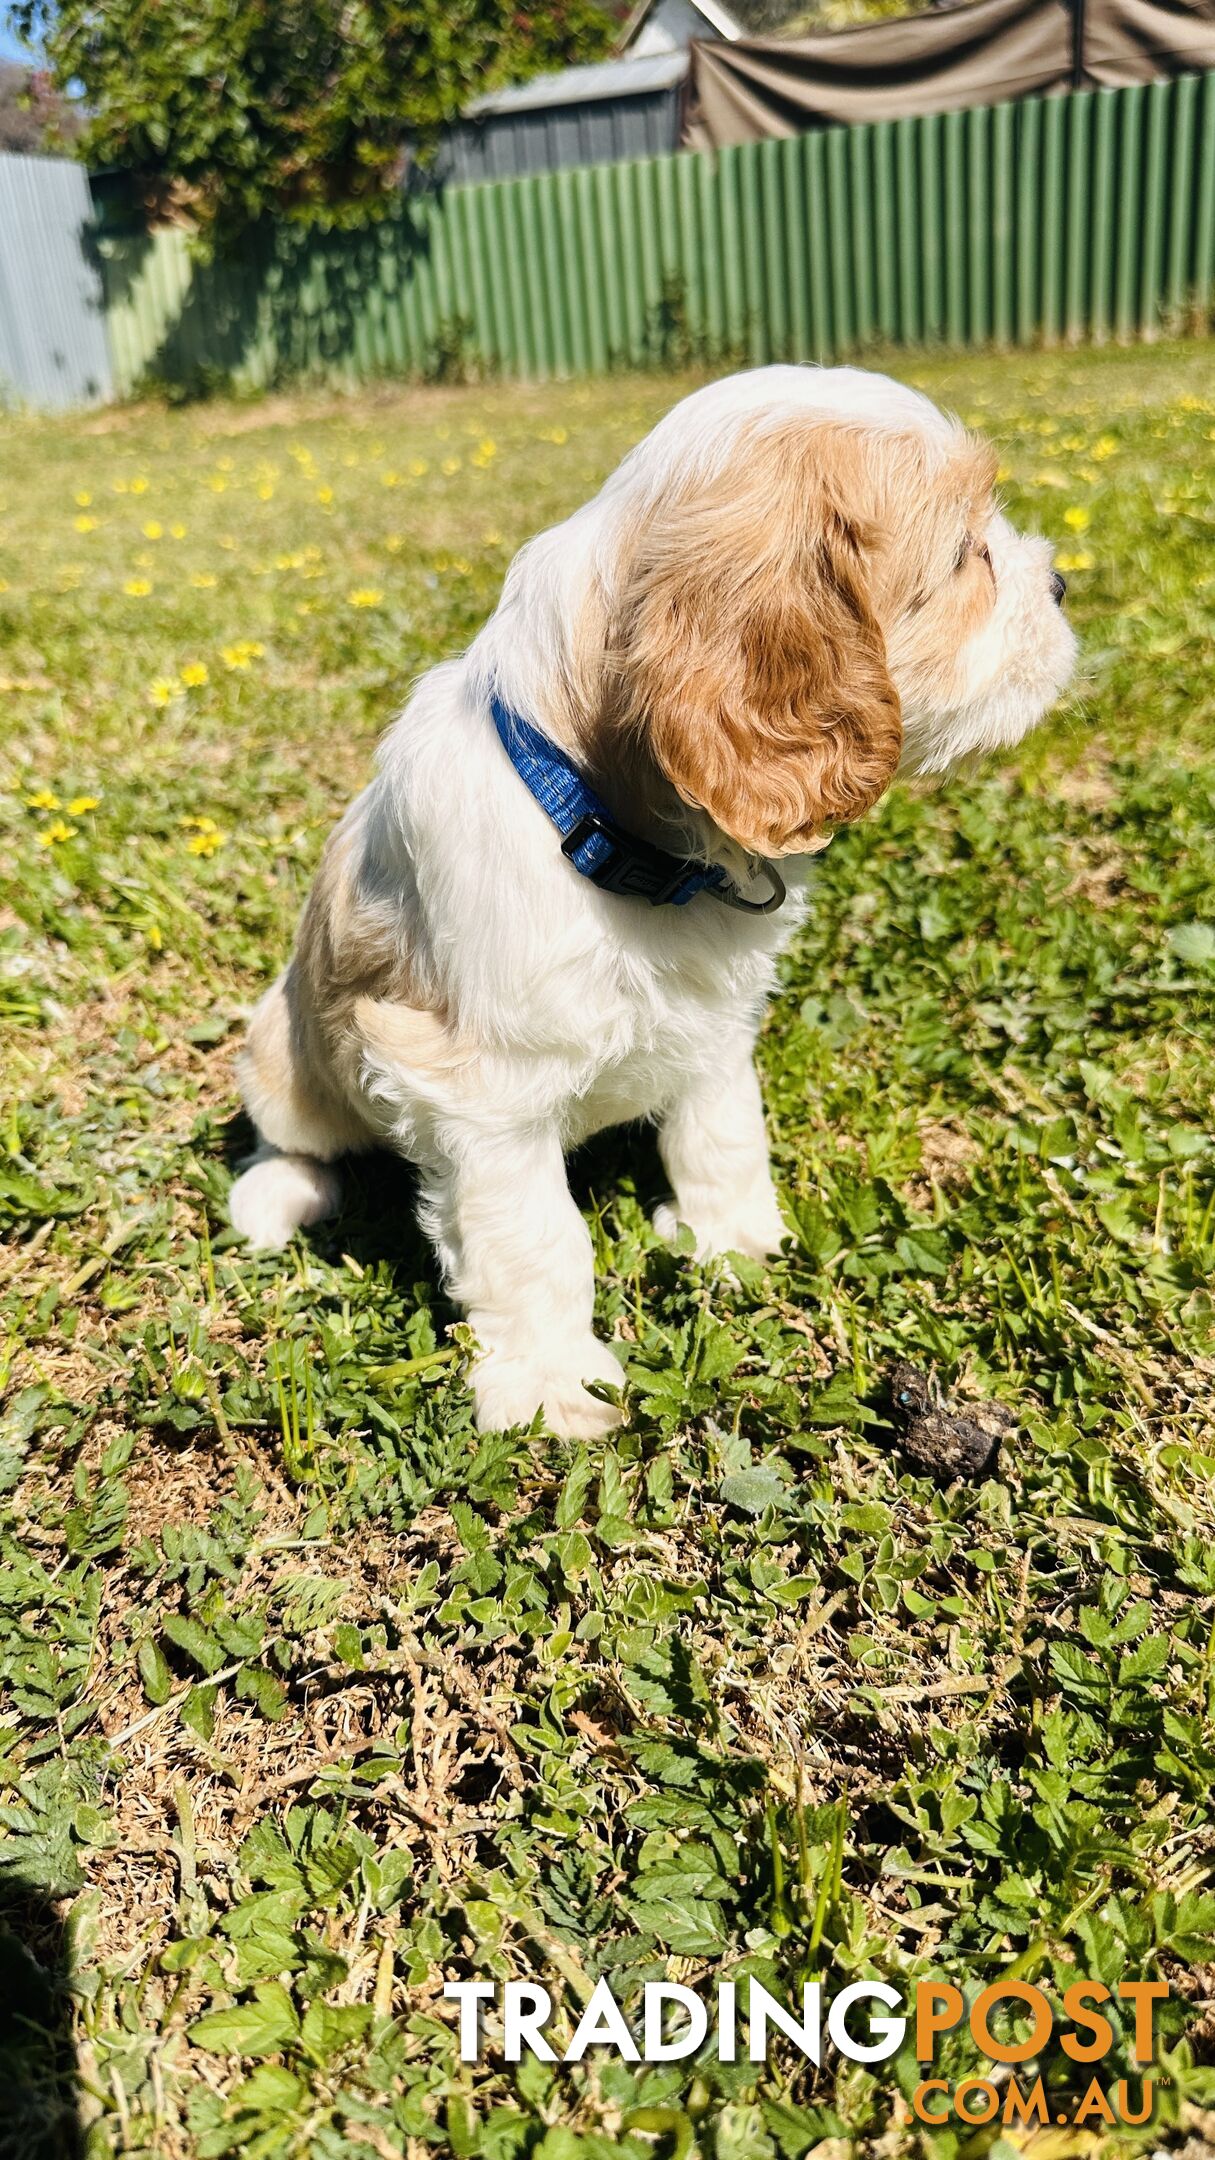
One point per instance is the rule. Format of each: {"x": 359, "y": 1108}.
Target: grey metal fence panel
{"x": 506, "y": 145}
{"x": 53, "y": 346}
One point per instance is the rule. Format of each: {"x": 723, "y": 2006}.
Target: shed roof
{"x": 582, "y": 85}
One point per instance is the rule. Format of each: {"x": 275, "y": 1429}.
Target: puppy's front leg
{"x": 715, "y": 1152}
{"x": 517, "y": 1254}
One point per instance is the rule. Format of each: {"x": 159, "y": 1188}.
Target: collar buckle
{"x": 618, "y": 863}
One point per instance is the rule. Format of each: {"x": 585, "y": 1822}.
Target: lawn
{"x": 314, "y": 1697}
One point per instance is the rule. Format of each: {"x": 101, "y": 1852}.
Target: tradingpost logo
{"x": 866, "y": 2022}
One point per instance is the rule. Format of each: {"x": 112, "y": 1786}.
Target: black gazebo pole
{"x": 1079, "y": 10}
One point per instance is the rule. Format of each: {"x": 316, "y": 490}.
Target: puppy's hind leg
{"x": 279, "y": 1194}
{"x": 301, "y": 1129}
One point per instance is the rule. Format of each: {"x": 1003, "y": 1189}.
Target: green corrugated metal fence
{"x": 1087, "y": 216}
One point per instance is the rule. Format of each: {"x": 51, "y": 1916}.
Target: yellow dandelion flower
{"x": 144, "y": 561}
{"x": 3, "y": 584}
{"x": 1105, "y": 446}
{"x": 240, "y": 654}
{"x": 394, "y": 542}
{"x": 1077, "y": 559}
{"x": 84, "y": 524}
{"x": 162, "y": 690}
{"x": 205, "y": 835}
{"x": 324, "y": 495}
{"x": 225, "y": 464}
{"x": 390, "y": 479}
{"x": 265, "y": 490}
{"x": 1076, "y": 519}
{"x": 56, "y": 831}
{"x": 42, "y": 799}
{"x": 121, "y": 487}
{"x": 195, "y": 674}
{"x": 139, "y": 485}
{"x": 80, "y": 803}
{"x": 204, "y": 580}
{"x": 451, "y": 465}
{"x": 138, "y": 587}
{"x": 365, "y": 596}
{"x": 83, "y": 499}
{"x": 418, "y": 467}
{"x": 178, "y": 531}
{"x": 153, "y": 936}
{"x": 553, "y": 435}
{"x": 492, "y": 538}
{"x": 217, "y": 483}
{"x": 153, "y": 530}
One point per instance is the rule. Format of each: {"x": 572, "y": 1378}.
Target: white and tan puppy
{"x": 796, "y": 587}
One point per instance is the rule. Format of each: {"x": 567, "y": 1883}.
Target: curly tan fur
{"x": 746, "y": 648}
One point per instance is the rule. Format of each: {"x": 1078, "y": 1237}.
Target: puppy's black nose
{"x": 1058, "y": 587}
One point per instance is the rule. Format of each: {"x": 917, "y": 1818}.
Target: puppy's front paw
{"x": 755, "y": 1232}
{"x": 509, "y": 1391}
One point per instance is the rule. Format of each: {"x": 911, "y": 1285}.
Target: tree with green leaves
{"x": 311, "y": 109}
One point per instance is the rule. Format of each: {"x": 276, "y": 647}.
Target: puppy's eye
{"x": 984, "y": 554}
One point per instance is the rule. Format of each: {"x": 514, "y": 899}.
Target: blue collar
{"x": 595, "y": 844}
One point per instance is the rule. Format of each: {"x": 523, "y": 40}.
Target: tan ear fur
{"x": 745, "y": 651}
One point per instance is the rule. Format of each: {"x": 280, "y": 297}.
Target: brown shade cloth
{"x": 1132, "y": 41}
{"x": 982, "y": 54}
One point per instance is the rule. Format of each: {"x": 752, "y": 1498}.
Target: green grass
{"x": 315, "y": 1697}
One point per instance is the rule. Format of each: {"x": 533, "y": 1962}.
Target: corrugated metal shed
{"x": 580, "y": 116}
{"x": 53, "y": 347}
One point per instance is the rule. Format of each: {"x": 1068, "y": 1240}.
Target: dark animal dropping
{"x": 945, "y": 1440}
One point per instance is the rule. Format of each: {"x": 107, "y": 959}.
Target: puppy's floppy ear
{"x": 745, "y": 652}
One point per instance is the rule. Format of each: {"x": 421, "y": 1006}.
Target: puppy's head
{"x": 826, "y": 601}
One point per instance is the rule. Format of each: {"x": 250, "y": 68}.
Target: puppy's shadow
{"x": 622, "y": 1159}
{"x": 377, "y": 1222}
{"x": 39, "y": 2119}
